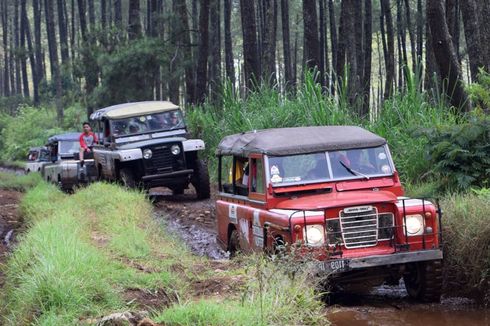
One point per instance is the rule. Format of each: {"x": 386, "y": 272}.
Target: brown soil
{"x": 10, "y": 224}
{"x": 149, "y": 299}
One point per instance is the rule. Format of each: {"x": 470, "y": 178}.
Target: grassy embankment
{"x": 100, "y": 251}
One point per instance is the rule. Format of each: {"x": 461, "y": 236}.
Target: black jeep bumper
{"x": 334, "y": 266}
{"x": 176, "y": 178}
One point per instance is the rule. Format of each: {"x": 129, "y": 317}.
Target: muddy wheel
{"x": 234, "y": 243}
{"x": 423, "y": 281}
{"x": 127, "y": 178}
{"x": 200, "y": 180}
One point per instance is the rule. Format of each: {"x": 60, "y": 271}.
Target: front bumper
{"x": 334, "y": 266}
{"x": 167, "y": 179}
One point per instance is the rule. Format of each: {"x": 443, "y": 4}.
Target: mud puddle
{"x": 191, "y": 220}
{"x": 390, "y": 305}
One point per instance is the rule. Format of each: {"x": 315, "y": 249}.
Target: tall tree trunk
{"x": 269, "y": 42}
{"x": 6, "y": 70}
{"x": 485, "y": 32}
{"x": 229, "y": 64}
{"x": 349, "y": 30}
{"x": 62, "y": 25}
{"x": 73, "y": 29}
{"x": 250, "y": 50}
{"x": 202, "y": 62}
{"x": 53, "y": 50}
{"x": 91, "y": 14}
{"x": 215, "y": 50}
{"x": 445, "y": 55}
{"x": 312, "y": 43}
{"x": 452, "y": 19}
{"x": 368, "y": 40}
{"x": 288, "y": 73}
{"x": 103, "y": 14}
{"x": 472, "y": 36}
{"x": 359, "y": 47}
{"x": 36, "y": 8}
{"x": 82, "y": 19}
{"x": 323, "y": 43}
{"x": 183, "y": 41}
{"x": 134, "y": 24}
{"x": 390, "y": 58}
{"x": 420, "y": 35}
{"x": 24, "y": 52}
{"x": 118, "y": 13}
{"x": 32, "y": 60}
{"x": 334, "y": 42}
{"x": 411, "y": 34}
{"x": 18, "y": 83}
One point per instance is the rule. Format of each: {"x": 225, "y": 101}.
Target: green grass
{"x": 81, "y": 252}
{"x": 466, "y": 223}
{"x": 10, "y": 181}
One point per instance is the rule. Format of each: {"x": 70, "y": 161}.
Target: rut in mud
{"x": 10, "y": 225}
{"x": 194, "y": 223}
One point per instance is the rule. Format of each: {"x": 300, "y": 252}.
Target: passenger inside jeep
{"x": 241, "y": 178}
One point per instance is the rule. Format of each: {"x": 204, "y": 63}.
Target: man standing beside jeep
{"x": 87, "y": 140}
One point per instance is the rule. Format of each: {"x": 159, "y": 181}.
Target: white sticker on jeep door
{"x": 244, "y": 229}
{"x": 232, "y": 214}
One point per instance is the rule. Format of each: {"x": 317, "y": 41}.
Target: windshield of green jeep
{"x": 334, "y": 165}
{"x": 163, "y": 121}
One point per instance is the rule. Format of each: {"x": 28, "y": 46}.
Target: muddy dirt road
{"x": 10, "y": 224}
{"x": 194, "y": 222}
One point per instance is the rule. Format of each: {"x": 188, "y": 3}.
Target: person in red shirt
{"x": 87, "y": 140}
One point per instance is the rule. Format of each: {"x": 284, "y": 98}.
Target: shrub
{"x": 459, "y": 155}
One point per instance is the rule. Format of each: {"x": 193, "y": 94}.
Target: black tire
{"x": 200, "y": 180}
{"x": 177, "y": 191}
{"x": 423, "y": 281}
{"x": 234, "y": 246}
{"x": 28, "y": 171}
{"x": 127, "y": 178}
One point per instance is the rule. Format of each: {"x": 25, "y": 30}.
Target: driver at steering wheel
{"x": 358, "y": 163}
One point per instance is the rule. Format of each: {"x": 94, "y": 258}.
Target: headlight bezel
{"x": 314, "y": 235}
{"x": 413, "y": 225}
{"x": 175, "y": 149}
{"x": 147, "y": 154}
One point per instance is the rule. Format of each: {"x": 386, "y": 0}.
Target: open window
{"x": 257, "y": 176}
{"x": 234, "y": 175}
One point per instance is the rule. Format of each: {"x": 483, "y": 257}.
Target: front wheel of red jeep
{"x": 423, "y": 281}
{"x": 234, "y": 243}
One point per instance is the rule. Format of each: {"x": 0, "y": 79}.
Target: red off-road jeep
{"x": 333, "y": 192}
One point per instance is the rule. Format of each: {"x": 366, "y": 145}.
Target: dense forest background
{"x": 412, "y": 71}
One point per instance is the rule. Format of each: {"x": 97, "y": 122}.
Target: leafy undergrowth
{"x": 100, "y": 251}
{"x": 10, "y": 181}
{"x": 467, "y": 244}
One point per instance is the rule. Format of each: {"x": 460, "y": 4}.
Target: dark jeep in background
{"x": 145, "y": 144}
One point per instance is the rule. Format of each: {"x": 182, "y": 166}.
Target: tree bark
{"x": 390, "y": 51}
{"x": 250, "y": 49}
{"x": 445, "y": 55}
{"x": 334, "y": 42}
{"x": 91, "y": 14}
{"x": 18, "y": 73}
{"x": 229, "y": 64}
{"x": 6, "y": 70}
{"x": 323, "y": 42}
{"x": 182, "y": 40}
{"x": 368, "y": 39}
{"x": 103, "y": 14}
{"x": 286, "y": 44}
{"x": 24, "y": 52}
{"x": 485, "y": 31}
{"x": 420, "y": 35}
{"x": 118, "y": 13}
{"x": 269, "y": 42}
{"x": 53, "y": 50}
{"x": 202, "y": 62}
{"x": 82, "y": 19}
{"x": 312, "y": 43}
{"x": 411, "y": 34}
{"x": 27, "y": 29}
{"x": 134, "y": 24}
{"x": 472, "y": 36}
{"x": 63, "y": 32}
{"x": 215, "y": 50}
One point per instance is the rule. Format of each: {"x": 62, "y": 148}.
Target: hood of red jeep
{"x": 337, "y": 199}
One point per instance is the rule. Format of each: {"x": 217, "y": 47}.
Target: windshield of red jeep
{"x": 327, "y": 166}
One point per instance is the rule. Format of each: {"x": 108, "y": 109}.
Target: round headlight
{"x": 314, "y": 235}
{"x": 175, "y": 149}
{"x": 414, "y": 225}
{"x": 147, "y": 154}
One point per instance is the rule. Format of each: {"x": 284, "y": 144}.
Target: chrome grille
{"x": 359, "y": 227}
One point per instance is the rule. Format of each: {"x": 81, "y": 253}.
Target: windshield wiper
{"x": 353, "y": 172}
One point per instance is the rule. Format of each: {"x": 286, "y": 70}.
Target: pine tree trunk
{"x": 118, "y": 13}
{"x": 91, "y": 14}
{"x": 390, "y": 53}
{"x": 134, "y": 24}
{"x": 334, "y": 42}
{"x": 230, "y": 68}
{"x": 27, "y": 28}
{"x": 183, "y": 41}
{"x": 323, "y": 43}
{"x": 103, "y": 14}
{"x": 420, "y": 35}
{"x": 250, "y": 49}
{"x": 53, "y": 50}
{"x": 63, "y": 33}
{"x": 82, "y": 19}
{"x": 215, "y": 50}
{"x": 445, "y": 55}
{"x": 286, "y": 44}
{"x": 312, "y": 43}
{"x": 18, "y": 73}
{"x": 6, "y": 70}
{"x": 472, "y": 36}
{"x": 202, "y": 62}
{"x": 23, "y": 58}
{"x": 485, "y": 31}
{"x": 269, "y": 43}
{"x": 411, "y": 34}
{"x": 368, "y": 40}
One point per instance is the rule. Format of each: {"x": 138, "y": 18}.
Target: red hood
{"x": 337, "y": 199}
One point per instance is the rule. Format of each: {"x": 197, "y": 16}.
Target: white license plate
{"x": 334, "y": 266}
